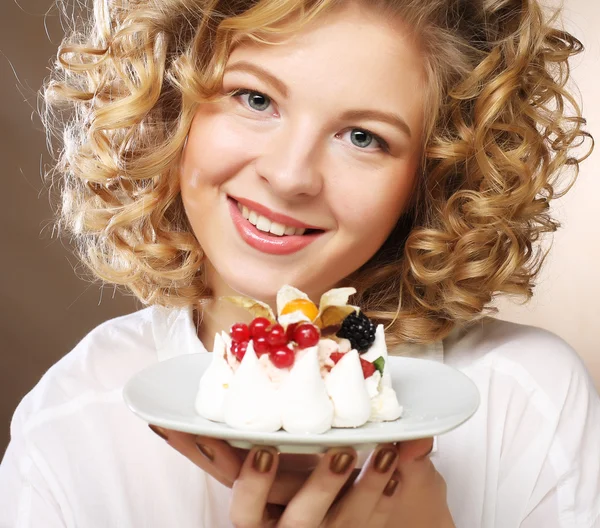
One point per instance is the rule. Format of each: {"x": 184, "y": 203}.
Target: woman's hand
{"x": 420, "y": 501}
{"x": 398, "y": 485}
{"x": 370, "y": 497}
{"x": 224, "y": 462}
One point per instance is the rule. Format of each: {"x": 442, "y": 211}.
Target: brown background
{"x": 47, "y": 308}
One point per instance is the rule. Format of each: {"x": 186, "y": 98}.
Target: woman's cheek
{"x": 373, "y": 211}
{"x": 218, "y": 149}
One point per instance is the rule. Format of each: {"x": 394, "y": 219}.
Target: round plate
{"x": 436, "y": 399}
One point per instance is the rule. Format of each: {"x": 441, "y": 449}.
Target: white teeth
{"x": 277, "y": 229}
{"x": 262, "y": 223}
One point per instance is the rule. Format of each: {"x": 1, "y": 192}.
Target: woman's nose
{"x": 290, "y": 162}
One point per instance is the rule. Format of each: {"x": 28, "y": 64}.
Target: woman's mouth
{"x": 274, "y": 235}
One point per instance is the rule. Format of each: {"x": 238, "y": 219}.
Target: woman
{"x": 417, "y": 144}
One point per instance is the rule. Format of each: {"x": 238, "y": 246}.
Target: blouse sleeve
{"x": 547, "y": 431}
{"x": 533, "y": 447}
{"x": 27, "y": 495}
{"x": 567, "y": 492}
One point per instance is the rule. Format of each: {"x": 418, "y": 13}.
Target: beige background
{"x": 46, "y": 308}
{"x": 567, "y": 298}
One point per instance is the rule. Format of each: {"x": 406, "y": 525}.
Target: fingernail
{"x": 159, "y": 431}
{"x": 206, "y": 451}
{"x": 384, "y": 459}
{"x": 392, "y": 485}
{"x": 340, "y": 463}
{"x": 263, "y": 460}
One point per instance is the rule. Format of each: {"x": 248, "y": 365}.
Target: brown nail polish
{"x": 384, "y": 459}
{"x": 206, "y": 451}
{"x": 392, "y": 485}
{"x": 340, "y": 463}
{"x": 159, "y": 431}
{"x": 263, "y": 460}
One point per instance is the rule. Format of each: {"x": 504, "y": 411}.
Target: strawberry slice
{"x": 336, "y": 356}
{"x": 367, "y": 367}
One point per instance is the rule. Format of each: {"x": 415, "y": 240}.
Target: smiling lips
{"x": 274, "y": 234}
{"x": 265, "y": 225}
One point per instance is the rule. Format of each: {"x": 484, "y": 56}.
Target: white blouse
{"x": 78, "y": 458}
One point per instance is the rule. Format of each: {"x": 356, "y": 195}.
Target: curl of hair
{"x": 500, "y": 127}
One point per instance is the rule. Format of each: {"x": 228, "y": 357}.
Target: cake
{"x": 306, "y": 370}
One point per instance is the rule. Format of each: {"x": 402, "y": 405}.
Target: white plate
{"x": 436, "y": 399}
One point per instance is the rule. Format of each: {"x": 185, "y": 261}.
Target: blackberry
{"x": 359, "y": 330}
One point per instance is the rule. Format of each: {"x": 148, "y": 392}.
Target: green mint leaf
{"x": 379, "y": 364}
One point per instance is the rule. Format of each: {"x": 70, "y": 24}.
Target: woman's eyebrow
{"x": 269, "y": 78}
{"x": 350, "y": 115}
{"x": 377, "y": 115}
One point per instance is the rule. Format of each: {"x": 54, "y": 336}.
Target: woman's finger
{"x": 414, "y": 449}
{"x": 213, "y": 456}
{"x": 251, "y": 489}
{"x": 312, "y": 502}
{"x": 383, "y": 512}
{"x": 358, "y": 503}
{"x": 292, "y": 472}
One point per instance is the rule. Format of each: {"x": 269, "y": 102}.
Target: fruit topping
{"x": 240, "y": 333}
{"x": 281, "y": 356}
{"x": 367, "y": 367}
{"x": 238, "y": 349}
{"x": 258, "y": 327}
{"x": 359, "y": 330}
{"x": 379, "y": 364}
{"x": 276, "y": 335}
{"x": 336, "y": 356}
{"x": 289, "y": 332}
{"x": 305, "y": 306}
{"x": 306, "y": 335}
{"x": 261, "y": 346}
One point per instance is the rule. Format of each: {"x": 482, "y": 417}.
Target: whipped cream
{"x": 252, "y": 401}
{"x": 385, "y": 406}
{"x": 306, "y": 407}
{"x": 346, "y": 388}
{"x": 315, "y": 394}
{"x": 384, "y": 403}
{"x": 215, "y": 384}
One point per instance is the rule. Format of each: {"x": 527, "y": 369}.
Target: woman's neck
{"x": 216, "y": 314}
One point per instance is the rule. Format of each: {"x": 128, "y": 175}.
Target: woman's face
{"x": 323, "y": 134}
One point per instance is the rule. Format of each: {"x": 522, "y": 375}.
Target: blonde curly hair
{"x": 499, "y": 128}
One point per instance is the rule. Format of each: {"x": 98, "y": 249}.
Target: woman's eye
{"x": 366, "y": 140}
{"x": 254, "y": 100}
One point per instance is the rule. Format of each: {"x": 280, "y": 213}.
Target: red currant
{"x": 289, "y": 332}
{"x": 276, "y": 335}
{"x": 261, "y": 346}
{"x": 282, "y": 356}
{"x": 306, "y": 335}
{"x": 240, "y": 350}
{"x": 240, "y": 332}
{"x": 258, "y": 327}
